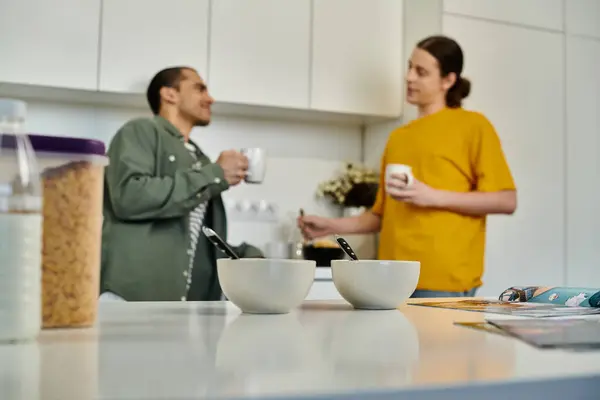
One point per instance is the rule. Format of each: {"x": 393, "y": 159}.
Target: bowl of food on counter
{"x": 322, "y": 251}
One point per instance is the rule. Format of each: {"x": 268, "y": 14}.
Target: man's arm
{"x": 367, "y": 222}
{"x": 495, "y": 190}
{"x": 136, "y": 194}
{"x": 479, "y": 203}
{"x": 313, "y": 226}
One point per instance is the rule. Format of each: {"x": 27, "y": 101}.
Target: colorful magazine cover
{"x": 531, "y": 301}
{"x": 567, "y": 296}
{"x": 520, "y": 309}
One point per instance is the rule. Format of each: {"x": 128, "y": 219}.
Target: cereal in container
{"x": 72, "y": 179}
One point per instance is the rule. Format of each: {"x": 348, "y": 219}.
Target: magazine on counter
{"x": 574, "y": 334}
{"x": 518, "y": 309}
{"x": 531, "y": 301}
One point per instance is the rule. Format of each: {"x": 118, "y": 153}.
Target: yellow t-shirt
{"x": 456, "y": 150}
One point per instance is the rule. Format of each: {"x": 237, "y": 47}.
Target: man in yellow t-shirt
{"x": 460, "y": 176}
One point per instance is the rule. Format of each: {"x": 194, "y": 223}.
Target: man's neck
{"x": 429, "y": 109}
{"x": 182, "y": 125}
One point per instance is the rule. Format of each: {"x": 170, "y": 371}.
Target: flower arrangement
{"x": 355, "y": 187}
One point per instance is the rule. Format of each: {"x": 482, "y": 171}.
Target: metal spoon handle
{"x": 219, "y": 243}
{"x": 346, "y": 247}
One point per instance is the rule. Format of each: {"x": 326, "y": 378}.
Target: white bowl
{"x": 266, "y": 286}
{"x": 375, "y": 284}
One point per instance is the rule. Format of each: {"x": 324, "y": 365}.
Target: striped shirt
{"x": 196, "y": 220}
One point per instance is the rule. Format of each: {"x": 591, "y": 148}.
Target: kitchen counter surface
{"x": 325, "y": 349}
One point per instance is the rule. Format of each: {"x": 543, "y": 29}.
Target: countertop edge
{"x": 571, "y": 387}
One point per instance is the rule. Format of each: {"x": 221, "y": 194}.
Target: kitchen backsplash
{"x": 300, "y": 156}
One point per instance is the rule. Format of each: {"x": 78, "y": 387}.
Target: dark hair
{"x": 168, "y": 77}
{"x": 450, "y": 58}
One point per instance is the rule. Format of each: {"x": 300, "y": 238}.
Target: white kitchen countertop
{"x": 184, "y": 351}
{"x": 323, "y": 274}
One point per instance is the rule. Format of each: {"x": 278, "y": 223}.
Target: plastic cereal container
{"x": 72, "y": 172}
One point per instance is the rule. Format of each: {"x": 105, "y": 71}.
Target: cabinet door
{"x": 583, "y": 17}
{"x": 259, "y": 52}
{"x": 357, "y": 63}
{"x": 535, "y": 13}
{"x": 518, "y": 83}
{"x": 583, "y": 162}
{"x": 50, "y": 43}
{"x": 141, "y": 37}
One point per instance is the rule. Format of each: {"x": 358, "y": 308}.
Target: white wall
{"x": 583, "y": 142}
{"x": 534, "y": 67}
{"x": 300, "y": 156}
{"x": 421, "y": 18}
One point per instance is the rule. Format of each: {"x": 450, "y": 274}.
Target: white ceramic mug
{"x": 257, "y": 164}
{"x": 399, "y": 169}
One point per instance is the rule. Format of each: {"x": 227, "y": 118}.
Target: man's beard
{"x": 202, "y": 122}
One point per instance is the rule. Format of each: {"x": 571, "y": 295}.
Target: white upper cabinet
{"x": 357, "y": 57}
{"x": 141, "y": 37}
{"x": 50, "y": 43}
{"x": 259, "y": 52}
{"x": 546, "y": 14}
{"x": 336, "y": 56}
{"x": 583, "y": 17}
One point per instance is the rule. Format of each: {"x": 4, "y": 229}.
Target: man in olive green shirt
{"x": 160, "y": 189}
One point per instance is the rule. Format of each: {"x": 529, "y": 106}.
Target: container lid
{"x": 12, "y": 109}
{"x": 56, "y": 144}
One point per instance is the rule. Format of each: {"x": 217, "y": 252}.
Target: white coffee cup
{"x": 399, "y": 169}
{"x": 257, "y": 164}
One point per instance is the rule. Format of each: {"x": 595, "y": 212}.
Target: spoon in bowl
{"x": 346, "y": 247}
{"x": 219, "y": 243}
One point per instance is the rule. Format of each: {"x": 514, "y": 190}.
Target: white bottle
{"x": 20, "y": 228}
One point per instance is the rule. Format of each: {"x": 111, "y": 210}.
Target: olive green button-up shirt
{"x": 151, "y": 186}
